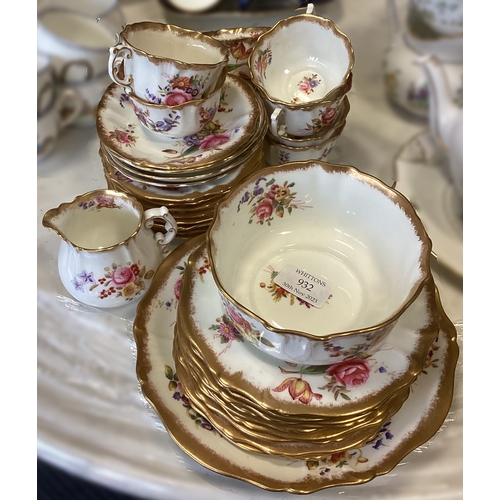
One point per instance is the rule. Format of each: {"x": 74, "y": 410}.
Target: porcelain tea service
{"x": 108, "y": 252}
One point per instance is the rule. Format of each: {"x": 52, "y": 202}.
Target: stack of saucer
{"x": 190, "y": 174}
{"x": 304, "y": 90}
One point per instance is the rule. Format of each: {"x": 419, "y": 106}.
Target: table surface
{"x": 91, "y": 419}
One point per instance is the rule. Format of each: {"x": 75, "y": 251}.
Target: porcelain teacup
{"x": 176, "y": 120}
{"x": 46, "y": 85}
{"x": 62, "y": 112}
{"x": 108, "y": 253}
{"x": 302, "y": 59}
{"x": 240, "y": 42}
{"x": 153, "y": 60}
{"x": 76, "y": 43}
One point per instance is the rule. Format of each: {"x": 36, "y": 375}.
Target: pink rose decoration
{"x": 122, "y": 276}
{"x": 213, "y": 140}
{"x": 328, "y": 115}
{"x": 177, "y": 288}
{"x": 272, "y": 191}
{"x": 178, "y": 96}
{"x": 350, "y": 373}
{"x": 305, "y": 87}
{"x": 236, "y": 318}
{"x": 264, "y": 209}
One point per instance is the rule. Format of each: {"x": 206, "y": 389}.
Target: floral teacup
{"x": 240, "y": 42}
{"x": 151, "y": 58}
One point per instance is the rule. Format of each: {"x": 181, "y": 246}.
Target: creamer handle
{"x": 275, "y": 123}
{"x": 170, "y": 225}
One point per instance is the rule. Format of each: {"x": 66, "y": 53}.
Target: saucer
{"x": 420, "y": 417}
{"x": 421, "y": 178}
{"x": 234, "y": 126}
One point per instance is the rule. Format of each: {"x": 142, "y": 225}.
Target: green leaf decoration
{"x": 169, "y": 373}
{"x": 172, "y": 385}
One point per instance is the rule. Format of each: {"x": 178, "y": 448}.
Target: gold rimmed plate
{"x": 420, "y": 417}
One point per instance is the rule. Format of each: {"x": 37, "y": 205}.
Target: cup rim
{"x": 334, "y": 93}
{"x": 177, "y": 31}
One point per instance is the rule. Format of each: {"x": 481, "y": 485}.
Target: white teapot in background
{"x": 443, "y": 16}
{"x": 406, "y": 83}
{"x": 445, "y": 118}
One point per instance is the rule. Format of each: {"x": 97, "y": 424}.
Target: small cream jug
{"x": 109, "y": 253}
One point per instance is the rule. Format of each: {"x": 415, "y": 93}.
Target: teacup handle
{"x": 117, "y": 56}
{"x": 276, "y": 123}
{"x": 310, "y": 9}
{"x": 170, "y": 225}
{"x": 70, "y": 104}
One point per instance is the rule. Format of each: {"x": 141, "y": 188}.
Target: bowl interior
{"x": 309, "y": 72}
{"x": 331, "y": 222}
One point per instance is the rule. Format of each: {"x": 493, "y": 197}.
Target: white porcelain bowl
{"x": 331, "y": 236}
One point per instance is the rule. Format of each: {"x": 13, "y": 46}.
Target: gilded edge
{"x": 427, "y": 427}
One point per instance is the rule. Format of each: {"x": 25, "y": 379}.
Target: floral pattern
{"x": 306, "y": 86}
{"x": 180, "y": 89}
{"x": 269, "y": 200}
{"x": 350, "y": 458}
{"x": 101, "y": 201}
{"x": 226, "y": 331}
{"x": 263, "y": 60}
{"x": 326, "y": 118}
{"x": 124, "y": 137}
{"x": 175, "y": 386}
{"x": 125, "y": 281}
{"x": 243, "y": 326}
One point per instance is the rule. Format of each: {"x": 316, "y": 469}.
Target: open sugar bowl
{"x": 108, "y": 253}
{"x": 155, "y": 58}
{"x": 302, "y": 59}
{"x": 314, "y": 260}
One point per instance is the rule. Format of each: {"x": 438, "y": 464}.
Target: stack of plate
{"x": 188, "y": 175}
{"x": 277, "y": 425}
{"x": 248, "y": 396}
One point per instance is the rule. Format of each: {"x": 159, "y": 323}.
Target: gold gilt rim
{"x": 250, "y": 441}
{"x": 237, "y": 382}
{"x": 245, "y": 32}
{"x": 398, "y": 198}
{"x": 53, "y": 213}
{"x": 266, "y": 426}
{"x": 211, "y": 195}
{"x": 158, "y": 180}
{"x": 256, "y": 130}
{"x": 285, "y": 23}
{"x": 427, "y": 426}
{"x": 194, "y": 35}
